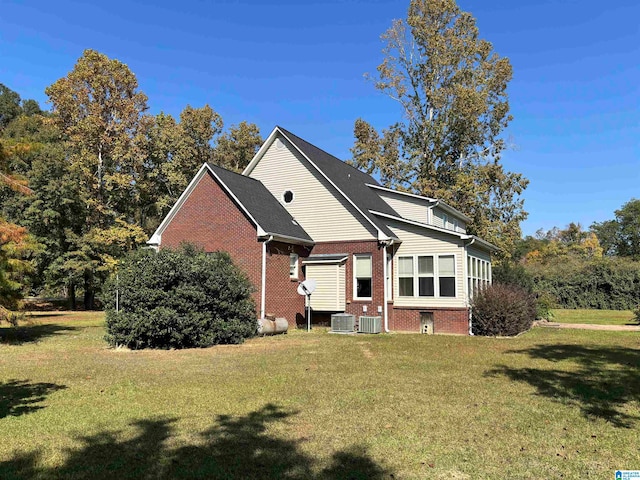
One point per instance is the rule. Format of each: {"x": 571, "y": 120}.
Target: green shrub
{"x": 608, "y": 283}
{"x": 515, "y": 274}
{"x": 178, "y": 299}
{"x": 636, "y": 314}
{"x": 502, "y": 310}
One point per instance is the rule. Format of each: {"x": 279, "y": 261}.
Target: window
{"x": 293, "y": 266}
{"x": 427, "y": 276}
{"x": 405, "y": 276}
{"x": 478, "y": 274}
{"x": 445, "y": 220}
{"x": 362, "y": 276}
{"x": 287, "y": 197}
{"x": 447, "y": 275}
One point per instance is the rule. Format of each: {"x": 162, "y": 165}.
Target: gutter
{"x": 263, "y": 294}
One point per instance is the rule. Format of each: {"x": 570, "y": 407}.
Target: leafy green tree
{"x": 236, "y": 147}
{"x": 9, "y": 105}
{"x": 452, "y": 89}
{"x": 621, "y": 236}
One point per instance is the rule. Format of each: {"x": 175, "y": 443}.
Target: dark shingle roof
{"x": 351, "y": 181}
{"x": 272, "y": 217}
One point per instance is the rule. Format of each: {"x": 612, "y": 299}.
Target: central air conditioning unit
{"x": 370, "y": 325}
{"x": 343, "y": 323}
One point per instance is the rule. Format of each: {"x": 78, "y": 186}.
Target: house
{"x": 298, "y": 212}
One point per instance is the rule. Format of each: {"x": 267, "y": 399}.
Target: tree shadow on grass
{"x": 31, "y": 333}
{"x": 233, "y": 448}
{"x": 18, "y": 397}
{"x": 601, "y": 381}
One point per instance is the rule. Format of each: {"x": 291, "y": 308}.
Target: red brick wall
{"x": 210, "y": 219}
{"x": 282, "y": 299}
{"x": 377, "y": 282}
{"x": 445, "y": 320}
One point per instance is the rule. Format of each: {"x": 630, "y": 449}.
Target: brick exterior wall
{"x": 211, "y": 220}
{"x": 282, "y": 299}
{"x": 354, "y": 306}
{"x": 445, "y": 320}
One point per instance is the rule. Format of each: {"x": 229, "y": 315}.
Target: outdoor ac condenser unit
{"x": 370, "y": 325}
{"x": 343, "y": 323}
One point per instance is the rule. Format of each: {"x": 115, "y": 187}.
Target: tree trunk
{"x": 89, "y": 293}
{"x": 71, "y": 295}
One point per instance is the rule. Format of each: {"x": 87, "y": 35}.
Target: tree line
{"x": 90, "y": 180}
{"x": 576, "y": 268}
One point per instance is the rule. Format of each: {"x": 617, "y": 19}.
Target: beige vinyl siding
{"x": 407, "y": 207}
{"x": 438, "y": 218}
{"x": 315, "y": 206}
{"x": 329, "y": 295}
{"x": 421, "y": 241}
{"x": 438, "y": 221}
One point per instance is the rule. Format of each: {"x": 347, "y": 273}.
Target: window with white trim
{"x": 447, "y": 275}
{"x": 478, "y": 274}
{"x": 426, "y": 286}
{"x": 293, "y": 266}
{"x": 362, "y": 277}
{"x": 427, "y": 276}
{"x": 405, "y": 276}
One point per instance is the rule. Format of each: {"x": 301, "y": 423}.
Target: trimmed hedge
{"x": 502, "y": 310}
{"x": 178, "y": 299}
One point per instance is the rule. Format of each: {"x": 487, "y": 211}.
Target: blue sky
{"x": 575, "y": 96}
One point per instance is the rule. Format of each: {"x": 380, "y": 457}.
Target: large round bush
{"x": 502, "y": 310}
{"x": 178, "y": 299}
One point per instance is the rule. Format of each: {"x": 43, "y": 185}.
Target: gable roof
{"x": 253, "y": 199}
{"x": 350, "y": 182}
{"x": 268, "y": 212}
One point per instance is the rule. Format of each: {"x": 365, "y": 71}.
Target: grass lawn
{"x": 549, "y": 404}
{"x": 598, "y": 317}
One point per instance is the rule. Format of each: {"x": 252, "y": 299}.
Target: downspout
{"x": 466, "y": 282}
{"x": 263, "y": 294}
{"x": 385, "y": 286}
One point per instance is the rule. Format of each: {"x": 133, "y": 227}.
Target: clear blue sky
{"x": 575, "y": 96}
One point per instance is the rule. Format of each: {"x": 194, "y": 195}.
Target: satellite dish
{"x": 307, "y": 287}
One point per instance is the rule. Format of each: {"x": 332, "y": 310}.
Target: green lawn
{"x": 549, "y": 404}
{"x": 599, "y": 317}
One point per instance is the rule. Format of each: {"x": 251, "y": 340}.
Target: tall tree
{"x": 452, "y": 89}
{"x": 99, "y": 109}
{"x": 621, "y": 236}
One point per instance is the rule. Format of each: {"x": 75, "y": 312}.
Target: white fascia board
{"x": 406, "y": 194}
{"x": 483, "y": 243}
{"x": 285, "y": 238}
{"x": 434, "y": 201}
{"x": 156, "y": 238}
{"x": 325, "y": 262}
{"x": 256, "y": 158}
{"x": 380, "y": 234}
